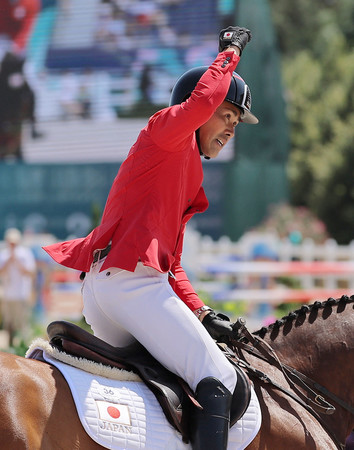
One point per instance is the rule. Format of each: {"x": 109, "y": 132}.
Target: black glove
{"x": 218, "y": 325}
{"x": 234, "y": 36}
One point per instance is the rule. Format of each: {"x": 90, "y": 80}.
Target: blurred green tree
{"x": 318, "y": 70}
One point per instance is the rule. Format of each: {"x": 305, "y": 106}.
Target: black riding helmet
{"x": 239, "y": 93}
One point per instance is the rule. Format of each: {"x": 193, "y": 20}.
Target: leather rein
{"x": 313, "y": 402}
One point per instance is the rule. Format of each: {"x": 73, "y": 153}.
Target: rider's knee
{"x": 229, "y": 377}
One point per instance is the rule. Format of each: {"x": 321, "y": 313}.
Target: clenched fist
{"x": 237, "y": 36}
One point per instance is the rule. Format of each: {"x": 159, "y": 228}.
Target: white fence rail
{"x": 308, "y": 250}
{"x": 226, "y": 271}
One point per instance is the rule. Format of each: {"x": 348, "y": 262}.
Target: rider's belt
{"x": 101, "y": 254}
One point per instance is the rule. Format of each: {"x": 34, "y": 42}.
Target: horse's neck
{"x": 320, "y": 345}
{"x": 317, "y": 342}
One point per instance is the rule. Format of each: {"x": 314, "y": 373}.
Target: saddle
{"x": 173, "y": 394}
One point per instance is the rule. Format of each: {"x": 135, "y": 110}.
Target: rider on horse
{"x": 135, "y": 287}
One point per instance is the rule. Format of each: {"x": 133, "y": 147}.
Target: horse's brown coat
{"x": 320, "y": 344}
{"x": 37, "y": 410}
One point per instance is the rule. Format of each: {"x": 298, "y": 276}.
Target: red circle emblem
{"x": 113, "y": 412}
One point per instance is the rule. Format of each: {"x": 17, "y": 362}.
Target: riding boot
{"x": 210, "y": 426}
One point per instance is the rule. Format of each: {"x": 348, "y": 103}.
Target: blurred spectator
{"x": 111, "y": 29}
{"x": 69, "y": 95}
{"x": 17, "y": 271}
{"x": 146, "y": 83}
{"x": 12, "y": 94}
{"x": 261, "y": 252}
{"x": 85, "y": 94}
{"x": 17, "y": 18}
{"x": 76, "y": 95}
{"x": 17, "y": 104}
{"x": 123, "y": 25}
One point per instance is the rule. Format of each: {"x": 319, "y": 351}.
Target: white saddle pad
{"x": 125, "y": 415}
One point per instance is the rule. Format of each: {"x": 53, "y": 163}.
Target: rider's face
{"x": 219, "y": 129}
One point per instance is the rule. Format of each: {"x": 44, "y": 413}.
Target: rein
{"x": 304, "y": 379}
{"x": 316, "y": 404}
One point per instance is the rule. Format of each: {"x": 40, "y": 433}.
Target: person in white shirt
{"x": 17, "y": 270}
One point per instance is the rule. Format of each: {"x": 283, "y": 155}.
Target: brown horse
{"x": 37, "y": 410}
{"x": 318, "y": 341}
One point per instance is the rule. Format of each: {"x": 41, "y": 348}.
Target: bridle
{"x": 312, "y": 401}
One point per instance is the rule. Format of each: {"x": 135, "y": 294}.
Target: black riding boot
{"x": 210, "y": 426}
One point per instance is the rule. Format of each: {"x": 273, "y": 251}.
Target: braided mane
{"x": 304, "y": 310}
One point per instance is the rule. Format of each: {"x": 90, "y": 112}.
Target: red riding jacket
{"x": 158, "y": 188}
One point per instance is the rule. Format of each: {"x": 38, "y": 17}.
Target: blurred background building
{"x": 98, "y": 70}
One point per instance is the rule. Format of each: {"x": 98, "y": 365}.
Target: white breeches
{"x": 122, "y": 306}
